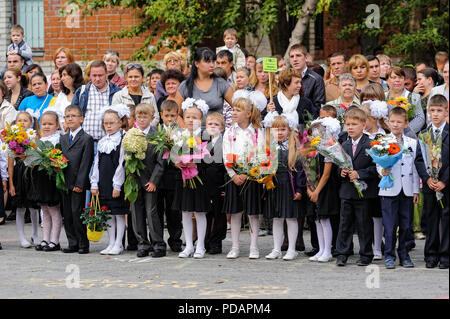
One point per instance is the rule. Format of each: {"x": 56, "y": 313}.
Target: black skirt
{"x": 43, "y": 189}
{"x": 196, "y": 199}
{"x": 22, "y": 185}
{"x": 117, "y": 206}
{"x": 279, "y": 201}
{"x": 247, "y": 198}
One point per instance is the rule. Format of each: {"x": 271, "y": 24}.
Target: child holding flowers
{"x": 19, "y": 185}
{"x": 283, "y": 203}
{"x": 47, "y": 195}
{"x": 244, "y": 134}
{"x": 192, "y": 199}
{"x": 108, "y": 175}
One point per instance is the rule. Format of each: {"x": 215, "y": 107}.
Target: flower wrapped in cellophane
{"x": 330, "y": 148}
{"x": 308, "y": 155}
{"x": 134, "y": 144}
{"x": 162, "y": 139}
{"x": 431, "y": 147}
{"x": 17, "y": 140}
{"x": 386, "y": 152}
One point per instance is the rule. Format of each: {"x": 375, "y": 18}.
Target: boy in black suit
{"x": 353, "y": 208}
{"x": 166, "y": 191}
{"x": 78, "y": 147}
{"x": 217, "y": 221}
{"x": 144, "y": 209}
{"x": 437, "y": 236}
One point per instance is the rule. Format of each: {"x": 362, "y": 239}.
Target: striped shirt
{"x": 93, "y": 121}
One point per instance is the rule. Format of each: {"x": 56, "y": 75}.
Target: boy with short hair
{"x": 171, "y": 178}
{"x": 437, "y": 236}
{"x": 78, "y": 147}
{"x": 215, "y": 172}
{"x": 230, "y": 38}
{"x": 144, "y": 209}
{"x": 397, "y": 203}
{"x": 19, "y": 46}
{"x": 353, "y": 208}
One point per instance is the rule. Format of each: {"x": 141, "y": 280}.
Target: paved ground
{"x": 26, "y": 273}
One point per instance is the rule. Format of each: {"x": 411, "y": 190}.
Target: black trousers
{"x": 71, "y": 207}
{"x": 2, "y": 204}
{"x": 436, "y": 243}
{"x": 173, "y": 217}
{"x": 216, "y": 230}
{"x": 355, "y": 211}
{"x": 144, "y": 211}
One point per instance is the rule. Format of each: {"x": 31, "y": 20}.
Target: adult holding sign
{"x": 290, "y": 99}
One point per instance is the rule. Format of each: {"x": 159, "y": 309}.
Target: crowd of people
{"x": 227, "y": 99}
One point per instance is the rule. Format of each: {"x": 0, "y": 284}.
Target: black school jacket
{"x": 366, "y": 168}
{"x": 215, "y": 169}
{"x": 154, "y": 165}
{"x": 80, "y": 156}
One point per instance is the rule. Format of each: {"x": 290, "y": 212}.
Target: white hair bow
{"x": 332, "y": 125}
{"x": 200, "y": 104}
{"x": 290, "y": 119}
{"x": 121, "y": 109}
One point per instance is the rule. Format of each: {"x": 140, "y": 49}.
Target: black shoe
{"x": 69, "y": 250}
{"x": 83, "y": 251}
{"x": 52, "y": 247}
{"x": 40, "y": 247}
{"x": 431, "y": 264}
{"x": 142, "y": 253}
{"x": 363, "y": 262}
{"x": 215, "y": 250}
{"x": 159, "y": 253}
{"x": 312, "y": 252}
{"x": 132, "y": 247}
{"x": 341, "y": 261}
{"x": 443, "y": 265}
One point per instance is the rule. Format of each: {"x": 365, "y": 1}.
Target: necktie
{"x": 437, "y": 132}
{"x": 354, "y": 146}
{"x": 70, "y": 139}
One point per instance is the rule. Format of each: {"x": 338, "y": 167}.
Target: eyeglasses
{"x": 112, "y": 52}
{"x": 71, "y": 116}
{"x": 134, "y": 66}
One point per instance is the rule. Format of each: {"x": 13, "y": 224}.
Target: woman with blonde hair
{"x": 358, "y": 66}
{"x": 172, "y": 61}
{"x": 112, "y": 61}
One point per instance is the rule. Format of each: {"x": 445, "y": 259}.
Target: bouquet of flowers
{"x": 332, "y": 150}
{"x": 386, "y": 152}
{"x": 95, "y": 218}
{"x": 309, "y": 159}
{"x": 340, "y": 110}
{"x": 404, "y": 104}
{"x": 187, "y": 149}
{"x": 162, "y": 139}
{"x": 258, "y": 163}
{"x": 431, "y": 150}
{"x": 135, "y": 145}
{"x": 17, "y": 140}
{"x": 49, "y": 158}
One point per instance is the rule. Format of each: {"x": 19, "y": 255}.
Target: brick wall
{"x": 91, "y": 37}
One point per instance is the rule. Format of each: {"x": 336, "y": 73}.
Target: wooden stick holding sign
{"x": 270, "y": 65}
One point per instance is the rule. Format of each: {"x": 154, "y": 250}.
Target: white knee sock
{"x": 278, "y": 233}
{"x": 111, "y": 231}
{"x": 292, "y": 228}
{"x": 34, "y": 215}
{"x": 56, "y": 223}
{"x": 188, "y": 229}
{"x": 20, "y": 224}
{"x": 320, "y": 238}
{"x": 254, "y": 228}
{"x": 201, "y": 230}
{"x": 236, "y": 222}
{"x": 327, "y": 236}
{"x": 120, "y": 223}
{"x": 377, "y": 235}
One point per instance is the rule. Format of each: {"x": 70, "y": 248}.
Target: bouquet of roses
{"x": 386, "y": 152}
{"x": 51, "y": 159}
{"x": 186, "y": 150}
{"x": 17, "y": 140}
{"x": 332, "y": 150}
{"x": 135, "y": 145}
{"x": 404, "y": 104}
{"x": 258, "y": 162}
{"x": 308, "y": 157}
{"x": 162, "y": 139}
{"x": 431, "y": 149}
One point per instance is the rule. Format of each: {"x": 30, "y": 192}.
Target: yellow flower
{"x": 315, "y": 141}
{"x": 255, "y": 171}
{"x": 191, "y": 142}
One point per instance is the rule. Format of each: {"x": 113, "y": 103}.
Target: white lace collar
{"x": 54, "y": 138}
{"x": 109, "y": 142}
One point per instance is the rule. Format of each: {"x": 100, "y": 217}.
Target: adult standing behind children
{"x": 7, "y": 111}
{"x": 41, "y": 99}
{"x": 93, "y": 97}
{"x": 230, "y": 38}
{"x": 172, "y": 61}
{"x": 17, "y": 86}
{"x": 112, "y": 61}
{"x": 135, "y": 92}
